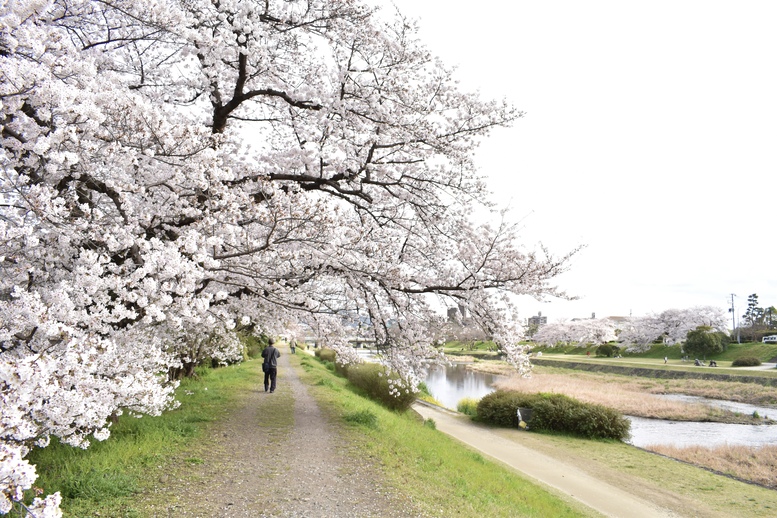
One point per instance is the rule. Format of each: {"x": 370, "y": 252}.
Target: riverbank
{"x": 685, "y": 371}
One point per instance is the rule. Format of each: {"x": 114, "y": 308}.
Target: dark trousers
{"x": 269, "y": 378}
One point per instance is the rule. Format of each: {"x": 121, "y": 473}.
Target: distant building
{"x": 459, "y": 315}
{"x": 538, "y": 320}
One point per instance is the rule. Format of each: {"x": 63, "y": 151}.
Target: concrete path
{"x": 567, "y": 479}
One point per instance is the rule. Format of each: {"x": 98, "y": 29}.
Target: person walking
{"x": 293, "y": 347}
{"x": 270, "y": 366}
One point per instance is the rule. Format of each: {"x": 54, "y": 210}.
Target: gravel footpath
{"x": 259, "y": 462}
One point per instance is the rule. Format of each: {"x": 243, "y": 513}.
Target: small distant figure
{"x": 713, "y": 363}
{"x": 293, "y": 347}
{"x": 697, "y": 363}
{"x": 588, "y": 353}
{"x": 539, "y": 353}
{"x": 270, "y": 366}
{"x": 665, "y": 359}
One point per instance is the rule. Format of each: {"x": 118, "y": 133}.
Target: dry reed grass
{"x": 757, "y": 465}
{"x": 631, "y": 396}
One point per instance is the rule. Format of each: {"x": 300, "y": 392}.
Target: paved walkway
{"x": 567, "y": 479}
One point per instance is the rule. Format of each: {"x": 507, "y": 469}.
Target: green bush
{"x": 254, "y": 345}
{"x": 372, "y": 379}
{"x": 327, "y": 355}
{"x": 607, "y": 350}
{"x": 555, "y": 413}
{"x": 468, "y": 406}
{"x": 341, "y": 369}
{"x": 746, "y": 361}
{"x": 500, "y": 407}
{"x": 423, "y": 390}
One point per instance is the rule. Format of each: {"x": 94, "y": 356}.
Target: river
{"x": 449, "y": 385}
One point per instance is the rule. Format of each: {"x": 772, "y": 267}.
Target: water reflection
{"x": 450, "y": 384}
{"x": 645, "y": 432}
{"x": 733, "y": 406}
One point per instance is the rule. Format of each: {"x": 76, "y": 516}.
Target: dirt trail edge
{"x": 565, "y": 478}
{"x": 277, "y": 455}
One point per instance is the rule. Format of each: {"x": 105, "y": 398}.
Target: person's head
{"x": 271, "y": 340}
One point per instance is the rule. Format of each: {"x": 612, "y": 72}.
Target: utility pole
{"x": 734, "y": 318}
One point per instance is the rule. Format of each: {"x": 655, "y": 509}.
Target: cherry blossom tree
{"x": 671, "y": 325}
{"x": 580, "y": 332}
{"x": 174, "y": 168}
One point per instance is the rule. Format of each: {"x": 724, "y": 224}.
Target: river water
{"x": 450, "y": 384}
{"x": 645, "y": 432}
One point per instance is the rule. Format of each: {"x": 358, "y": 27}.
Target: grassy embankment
{"x": 442, "y": 476}
{"x": 121, "y": 476}
{"x": 487, "y": 350}
{"x": 764, "y": 352}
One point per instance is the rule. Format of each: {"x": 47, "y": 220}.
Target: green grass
{"x": 764, "y": 352}
{"x": 442, "y": 476}
{"x": 103, "y": 478}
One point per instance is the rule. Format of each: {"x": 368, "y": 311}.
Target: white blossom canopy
{"x": 174, "y": 168}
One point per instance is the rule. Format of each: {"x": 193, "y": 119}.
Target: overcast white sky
{"x": 650, "y": 136}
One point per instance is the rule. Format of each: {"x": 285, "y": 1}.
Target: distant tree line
{"x": 757, "y": 321}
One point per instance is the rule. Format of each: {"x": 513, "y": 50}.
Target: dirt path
{"x": 566, "y": 478}
{"x": 278, "y": 455}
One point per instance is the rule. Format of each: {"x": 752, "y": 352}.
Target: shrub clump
{"x": 326, "y": 355}
{"x": 468, "y": 406}
{"x": 500, "y": 407}
{"x": 554, "y": 413}
{"x": 746, "y": 361}
{"x": 373, "y": 380}
{"x": 253, "y": 345}
{"x": 607, "y": 350}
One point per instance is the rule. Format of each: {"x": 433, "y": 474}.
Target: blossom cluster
{"x": 636, "y": 333}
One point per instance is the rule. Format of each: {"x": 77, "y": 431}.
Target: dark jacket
{"x": 271, "y": 355}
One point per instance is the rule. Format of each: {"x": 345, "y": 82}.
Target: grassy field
{"x": 724, "y": 367}
{"x": 635, "y": 395}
